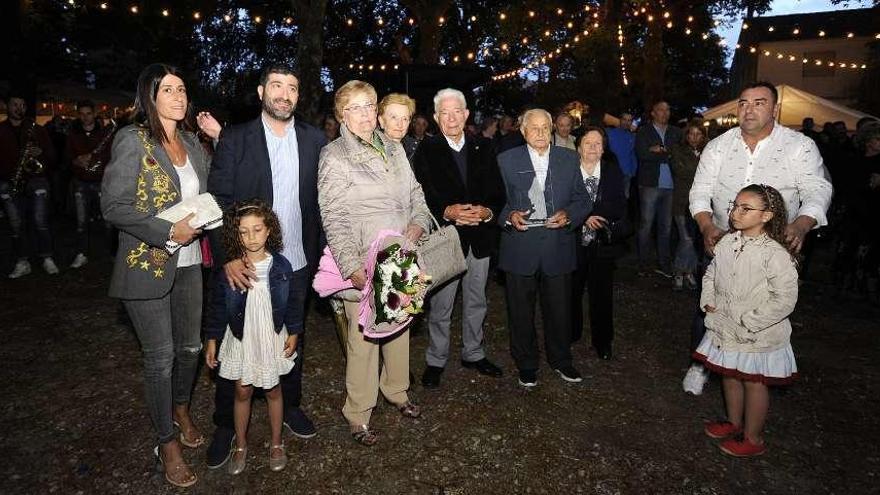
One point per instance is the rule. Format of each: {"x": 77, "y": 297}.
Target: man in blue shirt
{"x": 655, "y": 186}
{"x": 622, "y": 142}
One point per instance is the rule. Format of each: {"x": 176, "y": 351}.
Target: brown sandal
{"x": 175, "y": 471}
{"x": 365, "y": 436}
{"x": 409, "y": 410}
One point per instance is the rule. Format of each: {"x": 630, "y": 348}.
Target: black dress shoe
{"x": 221, "y": 446}
{"x": 484, "y": 367}
{"x": 604, "y": 353}
{"x": 431, "y": 376}
{"x": 299, "y": 424}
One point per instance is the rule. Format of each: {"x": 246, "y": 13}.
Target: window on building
{"x": 820, "y": 69}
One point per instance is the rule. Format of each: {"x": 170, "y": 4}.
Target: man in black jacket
{"x": 653, "y": 141}
{"x": 275, "y": 158}
{"x": 462, "y": 186}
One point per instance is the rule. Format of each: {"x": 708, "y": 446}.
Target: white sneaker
{"x": 49, "y": 266}
{"x": 695, "y": 379}
{"x": 79, "y": 261}
{"x": 22, "y": 268}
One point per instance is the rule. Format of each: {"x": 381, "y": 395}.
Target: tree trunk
{"x": 309, "y": 54}
{"x": 426, "y": 13}
{"x": 655, "y": 66}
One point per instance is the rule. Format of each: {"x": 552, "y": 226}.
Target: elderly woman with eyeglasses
{"x": 365, "y": 185}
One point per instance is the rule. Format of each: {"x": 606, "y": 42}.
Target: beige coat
{"x": 360, "y": 193}
{"x": 753, "y": 284}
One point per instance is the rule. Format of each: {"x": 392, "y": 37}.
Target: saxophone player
{"x": 87, "y": 150}
{"x": 25, "y": 154}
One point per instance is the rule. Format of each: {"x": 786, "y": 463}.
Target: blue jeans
{"x": 685, "y": 252}
{"x": 655, "y": 203}
{"x": 33, "y": 199}
{"x": 169, "y": 329}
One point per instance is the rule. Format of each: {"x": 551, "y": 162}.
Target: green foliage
{"x": 223, "y": 55}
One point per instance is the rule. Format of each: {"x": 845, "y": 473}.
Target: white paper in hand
{"x": 208, "y": 213}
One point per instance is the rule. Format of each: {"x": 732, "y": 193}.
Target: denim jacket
{"x": 228, "y": 304}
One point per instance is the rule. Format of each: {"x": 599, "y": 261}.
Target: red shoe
{"x": 721, "y": 429}
{"x": 742, "y": 447}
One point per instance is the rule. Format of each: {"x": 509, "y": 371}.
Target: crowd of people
{"x": 550, "y": 201}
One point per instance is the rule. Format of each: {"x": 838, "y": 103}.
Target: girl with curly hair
{"x": 258, "y": 328}
{"x": 749, "y": 290}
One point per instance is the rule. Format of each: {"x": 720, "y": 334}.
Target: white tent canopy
{"x": 797, "y": 105}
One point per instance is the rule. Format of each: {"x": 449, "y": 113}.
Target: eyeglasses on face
{"x": 746, "y": 209}
{"x": 368, "y": 108}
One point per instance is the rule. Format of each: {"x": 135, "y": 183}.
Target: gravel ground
{"x": 73, "y": 419}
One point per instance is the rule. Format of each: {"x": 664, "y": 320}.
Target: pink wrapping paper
{"x": 329, "y": 281}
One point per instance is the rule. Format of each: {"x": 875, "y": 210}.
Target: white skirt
{"x": 258, "y": 358}
{"x": 771, "y": 368}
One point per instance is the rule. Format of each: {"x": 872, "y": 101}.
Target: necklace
{"x": 176, "y": 152}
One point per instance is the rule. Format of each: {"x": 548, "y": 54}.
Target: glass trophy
{"x": 532, "y": 202}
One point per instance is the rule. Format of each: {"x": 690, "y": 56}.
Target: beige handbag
{"x": 440, "y": 256}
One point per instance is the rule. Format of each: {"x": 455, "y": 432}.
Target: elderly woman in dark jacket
{"x": 685, "y": 156}
{"x": 595, "y": 264}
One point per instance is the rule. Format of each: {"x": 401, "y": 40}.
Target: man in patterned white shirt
{"x": 759, "y": 151}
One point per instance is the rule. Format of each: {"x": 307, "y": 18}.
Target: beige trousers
{"x": 362, "y": 378}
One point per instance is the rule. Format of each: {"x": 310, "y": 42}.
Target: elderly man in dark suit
{"x": 547, "y": 203}
{"x": 462, "y": 186}
{"x": 653, "y": 141}
{"x": 275, "y": 158}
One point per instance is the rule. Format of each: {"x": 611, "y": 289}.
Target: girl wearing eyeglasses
{"x": 749, "y": 290}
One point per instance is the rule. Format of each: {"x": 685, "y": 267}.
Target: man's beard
{"x": 278, "y": 114}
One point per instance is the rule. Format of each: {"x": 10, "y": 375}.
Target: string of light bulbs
{"x": 669, "y": 20}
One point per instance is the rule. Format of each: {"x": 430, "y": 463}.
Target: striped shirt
{"x": 284, "y": 159}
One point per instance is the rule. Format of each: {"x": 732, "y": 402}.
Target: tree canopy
{"x": 614, "y": 54}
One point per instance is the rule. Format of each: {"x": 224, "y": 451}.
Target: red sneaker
{"x": 721, "y": 429}
{"x": 742, "y": 447}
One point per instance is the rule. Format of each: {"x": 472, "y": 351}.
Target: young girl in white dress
{"x": 257, "y": 347}
{"x": 749, "y": 290}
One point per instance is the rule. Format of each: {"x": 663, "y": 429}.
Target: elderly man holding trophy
{"x": 547, "y": 203}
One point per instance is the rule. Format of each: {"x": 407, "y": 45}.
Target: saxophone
{"x": 28, "y": 164}
{"x": 96, "y": 163}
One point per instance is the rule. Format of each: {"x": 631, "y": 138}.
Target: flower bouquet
{"x": 399, "y": 285}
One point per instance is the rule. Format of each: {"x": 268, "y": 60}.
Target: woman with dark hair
{"x": 685, "y": 156}
{"x": 158, "y": 162}
{"x": 595, "y": 254}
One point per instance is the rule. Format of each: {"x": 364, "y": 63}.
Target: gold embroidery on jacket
{"x": 155, "y": 190}
{"x": 148, "y": 259}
